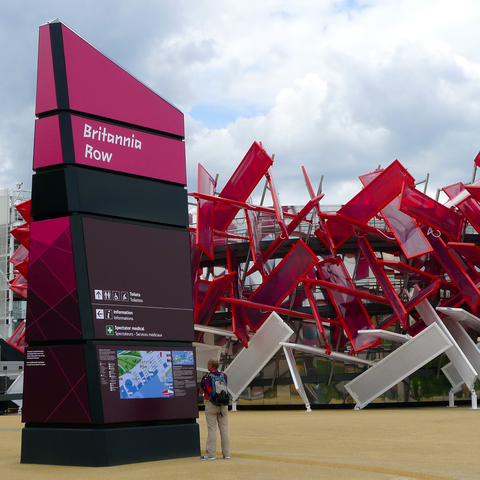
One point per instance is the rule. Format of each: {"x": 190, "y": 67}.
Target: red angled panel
{"x": 46, "y": 93}
{"x": 195, "y": 255}
{"x": 19, "y": 285}
{"x": 295, "y": 222}
{"x": 469, "y": 206}
{"x": 411, "y": 239}
{"x": 428, "y": 211}
{"x": 469, "y": 251}
{"x": 204, "y": 311}
{"x": 24, "y": 210}
{"x": 322, "y": 233}
{"x": 299, "y": 218}
{"x": 255, "y": 240}
{"x": 477, "y": 160}
{"x": 238, "y": 311}
{"x": 426, "y": 292}
{"x": 351, "y": 311}
{"x": 361, "y": 270}
{"x": 206, "y": 185}
{"x": 17, "y": 340}
{"x": 456, "y": 272}
{"x": 308, "y": 184}
{"x": 420, "y": 275}
{"x": 474, "y": 190}
{"x": 453, "y": 190}
{"x": 241, "y": 184}
{"x": 276, "y": 201}
{"x": 279, "y": 284}
{"x": 343, "y": 289}
{"x": 370, "y": 200}
{"x": 22, "y": 234}
{"x": 384, "y": 282}
{"x": 318, "y": 319}
{"x": 20, "y": 260}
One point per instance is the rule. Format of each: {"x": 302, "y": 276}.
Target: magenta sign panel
{"x": 111, "y": 147}
{"x": 95, "y": 85}
{"x": 52, "y": 309}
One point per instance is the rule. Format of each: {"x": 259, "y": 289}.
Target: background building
{"x": 12, "y": 306}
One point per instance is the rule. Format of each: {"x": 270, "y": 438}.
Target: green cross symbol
{"x": 110, "y": 330}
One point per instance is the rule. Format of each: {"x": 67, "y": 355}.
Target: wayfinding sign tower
{"x": 110, "y": 374}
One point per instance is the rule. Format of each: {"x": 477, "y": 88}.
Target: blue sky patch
{"x": 214, "y": 116}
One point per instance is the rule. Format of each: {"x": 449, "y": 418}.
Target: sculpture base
{"x": 105, "y": 447}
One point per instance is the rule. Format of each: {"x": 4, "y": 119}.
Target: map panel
{"x": 143, "y": 383}
{"x": 145, "y": 374}
{"x": 183, "y": 357}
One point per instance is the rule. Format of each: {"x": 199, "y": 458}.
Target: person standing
{"x": 214, "y": 414}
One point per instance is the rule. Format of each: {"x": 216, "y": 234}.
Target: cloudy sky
{"x": 339, "y": 87}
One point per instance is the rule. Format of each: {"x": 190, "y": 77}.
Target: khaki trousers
{"x": 214, "y": 415}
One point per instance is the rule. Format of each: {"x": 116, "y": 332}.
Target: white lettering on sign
{"x": 97, "y": 154}
{"x": 103, "y": 135}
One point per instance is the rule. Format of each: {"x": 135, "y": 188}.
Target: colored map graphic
{"x": 145, "y": 374}
{"x": 183, "y": 357}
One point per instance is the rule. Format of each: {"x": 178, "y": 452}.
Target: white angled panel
{"x": 394, "y": 337}
{"x": 464, "y": 341}
{"x": 404, "y": 361}
{"x": 462, "y": 316}
{"x": 455, "y": 354}
{"x": 203, "y": 353}
{"x": 297, "y": 380}
{"x": 455, "y": 379}
{"x": 261, "y": 348}
{"x": 321, "y": 352}
{"x": 215, "y": 331}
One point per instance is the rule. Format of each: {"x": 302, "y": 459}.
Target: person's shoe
{"x": 226, "y": 457}
{"x": 207, "y": 457}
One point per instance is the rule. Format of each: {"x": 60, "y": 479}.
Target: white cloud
{"x": 337, "y": 86}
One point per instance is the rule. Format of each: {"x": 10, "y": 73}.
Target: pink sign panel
{"x": 98, "y": 86}
{"x": 46, "y": 94}
{"x": 47, "y": 145}
{"x": 111, "y": 147}
{"x": 52, "y": 310}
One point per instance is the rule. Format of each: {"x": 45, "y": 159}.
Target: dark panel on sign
{"x": 59, "y": 190}
{"x": 106, "y": 447}
{"x": 55, "y": 388}
{"x": 140, "y": 284}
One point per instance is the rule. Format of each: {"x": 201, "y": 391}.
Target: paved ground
{"x": 388, "y": 444}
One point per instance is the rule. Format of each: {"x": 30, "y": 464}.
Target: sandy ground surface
{"x": 418, "y": 443}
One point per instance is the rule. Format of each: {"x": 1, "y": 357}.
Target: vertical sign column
{"x": 110, "y": 309}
